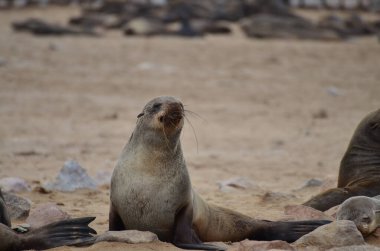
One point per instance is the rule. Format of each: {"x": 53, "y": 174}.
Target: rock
{"x": 248, "y": 245}
{"x": 70, "y": 178}
{"x": 45, "y": 214}
{"x": 333, "y": 91}
{"x": 14, "y": 185}
{"x": 237, "y": 183}
{"x": 336, "y": 234}
{"x": 300, "y": 212}
{"x": 18, "y": 207}
{"x": 312, "y": 183}
{"x": 128, "y": 236}
{"x": 272, "y": 26}
{"x": 356, "y": 248}
{"x": 277, "y": 196}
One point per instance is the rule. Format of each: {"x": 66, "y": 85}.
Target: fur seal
{"x": 61, "y": 233}
{"x": 151, "y": 190}
{"x": 359, "y": 172}
{"x": 362, "y": 210}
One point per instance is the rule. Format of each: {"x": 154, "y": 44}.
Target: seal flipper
{"x": 288, "y": 231}
{"x": 115, "y": 222}
{"x": 329, "y": 198}
{"x": 67, "y": 232}
{"x": 184, "y": 235}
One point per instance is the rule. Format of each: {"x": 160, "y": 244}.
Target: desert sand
{"x": 277, "y": 112}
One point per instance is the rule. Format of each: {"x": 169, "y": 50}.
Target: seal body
{"x": 151, "y": 190}
{"x": 61, "y": 233}
{"x": 359, "y": 173}
{"x": 363, "y": 211}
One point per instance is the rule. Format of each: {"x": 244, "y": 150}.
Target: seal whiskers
{"x": 151, "y": 190}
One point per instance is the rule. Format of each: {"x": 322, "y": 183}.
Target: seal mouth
{"x": 172, "y": 116}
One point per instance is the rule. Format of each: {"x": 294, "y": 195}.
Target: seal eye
{"x": 156, "y": 107}
{"x": 366, "y": 219}
{"x": 140, "y": 115}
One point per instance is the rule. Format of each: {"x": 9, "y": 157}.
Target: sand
{"x": 257, "y": 103}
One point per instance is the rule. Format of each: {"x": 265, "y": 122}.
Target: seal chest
{"x": 150, "y": 182}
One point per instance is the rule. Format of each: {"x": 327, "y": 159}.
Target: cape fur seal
{"x": 151, "y": 190}
{"x": 359, "y": 172}
{"x": 362, "y": 210}
{"x": 61, "y": 233}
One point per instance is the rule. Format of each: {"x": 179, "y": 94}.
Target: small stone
{"x": 248, "y": 245}
{"x": 14, "y": 185}
{"x": 70, "y": 178}
{"x": 333, "y": 91}
{"x": 300, "y": 212}
{"x": 339, "y": 233}
{"x": 45, "y": 214}
{"x": 276, "y": 196}
{"x": 128, "y": 236}
{"x": 18, "y": 207}
{"x": 237, "y": 183}
{"x": 313, "y": 183}
{"x": 3, "y": 62}
{"x": 321, "y": 114}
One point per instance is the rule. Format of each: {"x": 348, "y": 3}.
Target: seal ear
{"x": 141, "y": 114}
{"x": 377, "y": 213}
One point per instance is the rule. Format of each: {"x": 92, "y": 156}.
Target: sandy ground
{"x": 78, "y": 97}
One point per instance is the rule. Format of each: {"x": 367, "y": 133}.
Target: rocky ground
{"x": 276, "y": 112}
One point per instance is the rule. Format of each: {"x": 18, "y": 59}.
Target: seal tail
{"x": 288, "y": 231}
{"x": 61, "y": 233}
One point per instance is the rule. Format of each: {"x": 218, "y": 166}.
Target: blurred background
{"x": 277, "y": 89}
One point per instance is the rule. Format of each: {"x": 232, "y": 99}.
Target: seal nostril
{"x": 161, "y": 118}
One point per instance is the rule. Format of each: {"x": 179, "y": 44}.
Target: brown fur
{"x": 359, "y": 172}
{"x": 151, "y": 189}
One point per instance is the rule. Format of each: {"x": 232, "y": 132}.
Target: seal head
{"x": 363, "y": 211}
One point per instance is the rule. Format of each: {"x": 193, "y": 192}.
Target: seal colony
{"x": 359, "y": 173}
{"x": 61, "y": 233}
{"x": 151, "y": 190}
{"x": 363, "y": 211}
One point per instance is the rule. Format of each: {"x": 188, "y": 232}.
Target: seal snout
{"x": 172, "y": 115}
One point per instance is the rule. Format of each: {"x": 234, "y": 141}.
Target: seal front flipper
{"x": 115, "y": 222}
{"x": 288, "y": 231}
{"x": 184, "y": 235}
{"x": 62, "y": 233}
{"x": 329, "y": 198}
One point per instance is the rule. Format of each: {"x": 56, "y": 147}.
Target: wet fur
{"x": 359, "y": 173}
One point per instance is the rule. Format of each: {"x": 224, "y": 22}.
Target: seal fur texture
{"x": 61, "y": 233}
{"x": 359, "y": 173}
{"x": 363, "y": 211}
{"x": 151, "y": 190}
